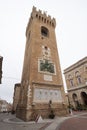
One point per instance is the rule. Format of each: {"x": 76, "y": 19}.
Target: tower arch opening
{"x": 44, "y": 31}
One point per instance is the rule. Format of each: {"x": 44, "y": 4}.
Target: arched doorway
{"x": 84, "y": 97}
{"x": 75, "y": 99}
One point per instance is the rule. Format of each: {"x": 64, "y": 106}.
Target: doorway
{"x": 84, "y": 98}
{"x": 75, "y": 99}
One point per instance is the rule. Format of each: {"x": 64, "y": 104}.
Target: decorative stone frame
{"x": 44, "y": 94}
{"x": 46, "y": 72}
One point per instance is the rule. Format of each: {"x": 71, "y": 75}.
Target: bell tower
{"x": 41, "y": 84}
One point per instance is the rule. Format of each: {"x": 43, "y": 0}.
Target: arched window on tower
{"x": 44, "y": 31}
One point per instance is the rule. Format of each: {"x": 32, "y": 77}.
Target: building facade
{"x": 16, "y": 96}
{"x": 1, "y": 59}
{"x": 76, "y": 81}
{"x": 42, "y": 90}
{"x": 5, "y": 106}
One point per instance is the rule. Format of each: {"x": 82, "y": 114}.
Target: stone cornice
{"x": 76, "y": 88}
{"x": 49, "y": 84}
{"x": 77, "y": 64}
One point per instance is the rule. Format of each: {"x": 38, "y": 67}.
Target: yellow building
{"x": 42, "y": 92}
{"x": 76, "y": 81}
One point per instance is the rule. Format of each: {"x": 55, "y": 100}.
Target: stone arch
{"x": 84, "y": 97}
{"x": 75, "y": 99}
{"x": 74, "y": 96}
{"x": 44, "y": 31}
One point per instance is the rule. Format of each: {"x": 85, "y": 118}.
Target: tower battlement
{"x": 42, "y": 17}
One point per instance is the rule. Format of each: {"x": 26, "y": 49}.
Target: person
{"x": 71, "y": 111}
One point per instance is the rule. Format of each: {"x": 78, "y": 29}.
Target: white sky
{"x": 71, "y": 34}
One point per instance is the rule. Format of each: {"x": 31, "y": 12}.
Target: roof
{"x": 75, "y": 65}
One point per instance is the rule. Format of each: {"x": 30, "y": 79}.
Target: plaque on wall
{"x": 47, "y": 77}
{"x": 45, "y": 95}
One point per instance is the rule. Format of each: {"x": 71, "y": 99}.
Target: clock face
{"x": 46, "y": 66}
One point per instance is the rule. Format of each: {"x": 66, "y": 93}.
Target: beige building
{"x": 76, "y": 81}
{"x": 42, "y": 92}
{"x": 5, "y": 106}
{"x": 16, "y": 96}
{"x": 1, "y": 59}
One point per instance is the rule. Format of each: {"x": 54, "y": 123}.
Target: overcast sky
{"x": 71, "y": 34}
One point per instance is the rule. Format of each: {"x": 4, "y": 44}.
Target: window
{"x": 79, "y": 79}
{"x": 44, "y": 31}
{"x": 78, "y": 76}
{"x": 71, "y": 82}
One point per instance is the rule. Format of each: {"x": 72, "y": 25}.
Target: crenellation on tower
{"x": 42, "y": 17}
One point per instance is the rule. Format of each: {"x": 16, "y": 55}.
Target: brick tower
{"x": 42, "y": 89}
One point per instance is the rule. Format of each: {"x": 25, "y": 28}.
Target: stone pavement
{"x": 56, "y": 123}
{"x": 46, "y": 124}
{"x": 78, "y": 120}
